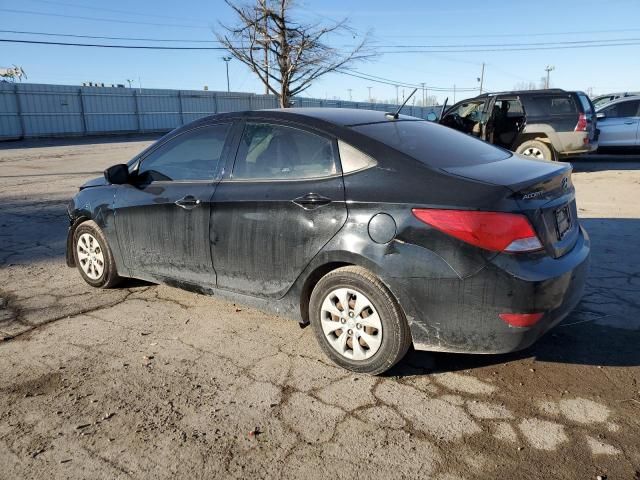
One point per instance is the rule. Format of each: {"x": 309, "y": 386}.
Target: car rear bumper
{"x": 462, "y": 315}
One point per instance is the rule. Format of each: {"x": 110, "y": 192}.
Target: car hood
{"x": 95, "y": 182}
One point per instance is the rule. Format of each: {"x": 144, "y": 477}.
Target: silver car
{"x": 619, "y": 123}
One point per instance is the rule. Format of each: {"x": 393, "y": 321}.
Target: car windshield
{"x": 433, "y": 145}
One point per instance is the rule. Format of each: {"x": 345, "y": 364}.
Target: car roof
{"x": 620, "y": 100}
{"x": 338, "y": 116}
{"x": 547, "y": 91}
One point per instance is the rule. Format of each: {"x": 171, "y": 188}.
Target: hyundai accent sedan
{"x": 381, "y": 231}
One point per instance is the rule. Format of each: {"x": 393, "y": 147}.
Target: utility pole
{"x": 397, "y": 97}
{"x": 266, "y": 45}
{"x": 369, "y": 94}
{"x": 424, "y": 97}
{"x": 548, "y": 69}
{"x": 350, "y": 96}
{"x": 226, "y": 62}
{"x": 481, "y": 79}
{"x": 454, "y": 93}
{"x": 403, "y": 95}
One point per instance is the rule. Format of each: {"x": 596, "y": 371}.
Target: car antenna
{"x": 395, "y": 116}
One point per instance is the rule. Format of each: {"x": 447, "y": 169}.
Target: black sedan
{"x": 381, "y": 231}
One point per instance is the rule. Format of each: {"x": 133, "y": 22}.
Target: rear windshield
{"x": 433, "y": 144}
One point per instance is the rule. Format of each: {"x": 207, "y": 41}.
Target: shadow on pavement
{"x": 603, "y": 330}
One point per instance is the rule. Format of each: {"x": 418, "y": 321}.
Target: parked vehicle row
{"x": 544, "y": 124}
{"x": 379, "y": 230}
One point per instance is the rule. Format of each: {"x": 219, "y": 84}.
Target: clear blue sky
{"x": 398, "y": 22}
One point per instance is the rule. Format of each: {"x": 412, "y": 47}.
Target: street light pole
{"x": 481, "y": 79}
{"x": 226, "y": 62}
{"x": 369, "y": 94}
{"x": 548, "y": 69}
{"x": 397, "y": 98}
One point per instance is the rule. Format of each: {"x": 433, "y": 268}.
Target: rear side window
{"x": 552, "y": 105}
{"x": 622, "y": 109}
{"x": 193, "y": 155}
{"x": 586, "y": 104}
{"x": 433, "y": 144}
{"x": 277, "y": 152}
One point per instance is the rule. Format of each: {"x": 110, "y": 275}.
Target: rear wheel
{"x": 93, "y": 256}
{"x": 535, "y": 149}
{"x": 357, "y": 321}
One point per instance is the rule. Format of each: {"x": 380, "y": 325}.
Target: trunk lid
{"x": 542, "y": 190}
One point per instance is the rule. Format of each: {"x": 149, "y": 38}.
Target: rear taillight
{"x": 495, "y": 231}
{"x": 521, "y": 319}
{"x": 581, "y": 126}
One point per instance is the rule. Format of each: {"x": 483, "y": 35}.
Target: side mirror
{"x": 601, "y": 115}
{"x": 432, "y": 117}
{"x": 117, "y": 174}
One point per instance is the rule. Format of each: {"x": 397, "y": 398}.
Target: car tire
{"x": 93, "y": 256}
{"x": 373, "y": 319}
{"x": 535, "y": 149}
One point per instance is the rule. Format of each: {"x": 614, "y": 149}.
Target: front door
{"x": 619, "y": 126}
{"x": 282, "y": 202}
{"x": 163, "y": 217}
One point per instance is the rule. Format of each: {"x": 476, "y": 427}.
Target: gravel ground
{"x": 149, "y": 381}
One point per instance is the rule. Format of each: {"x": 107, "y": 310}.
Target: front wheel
{"x": 535, "y": 149}
{"x": 357, "y": 321}
{"x": 93, "y": 256}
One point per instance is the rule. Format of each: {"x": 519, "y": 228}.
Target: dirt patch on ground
{"x": 149, "y": 381}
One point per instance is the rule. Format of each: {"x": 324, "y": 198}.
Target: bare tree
{"x": 525, "y": 86}
{"x": 286, "y": 55}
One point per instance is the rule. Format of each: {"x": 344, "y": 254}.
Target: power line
{"x": 136, "y": 39}
{"x": 519, "y": 34}
{"x": 98, "y": 19}
{"x": 529, "y": 44}
{"x": 113, "y": 10}
{"x": 517, "y": 49}
{"x": 145, "y": 47}
{"x": 394, "y": 83}
{"x": 450, "y": 48}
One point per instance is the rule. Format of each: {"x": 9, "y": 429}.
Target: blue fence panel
{"x": 41, "y": 110}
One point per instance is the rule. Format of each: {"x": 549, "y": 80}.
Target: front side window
{"x": 623, "y": 109}
{"x": 470, "y": 110}
{"x": 191, "y": 156}
{"x": 275, "y": 152}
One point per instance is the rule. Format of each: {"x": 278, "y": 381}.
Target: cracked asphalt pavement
{"x": 148, "y": 381}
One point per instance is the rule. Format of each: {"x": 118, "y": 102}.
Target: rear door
{"x": 281, "y": 203}
{"x": 619, "y": 126}
{"x": 162, "y": 218}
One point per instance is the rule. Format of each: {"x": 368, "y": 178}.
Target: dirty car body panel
{"x": 267, "y": 241}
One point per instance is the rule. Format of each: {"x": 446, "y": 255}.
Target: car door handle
{"x": 630, "y": 122}
{"x": 311, "y": 201}
{"x": 189, "y": 202}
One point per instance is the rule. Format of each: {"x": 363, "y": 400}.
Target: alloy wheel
{"x": 533, "y": 152}
{"x": 351, "y": 324}
{"x": 90, "y": 256}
